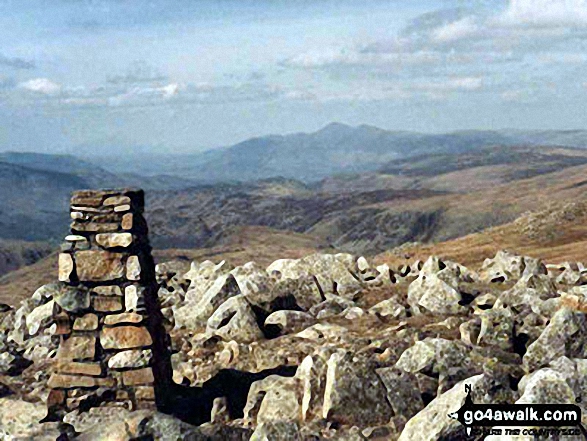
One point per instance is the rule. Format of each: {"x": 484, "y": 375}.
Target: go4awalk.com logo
{"x": 533, "y": 419}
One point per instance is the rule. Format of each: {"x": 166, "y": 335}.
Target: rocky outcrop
{"x": 322, "y": 347}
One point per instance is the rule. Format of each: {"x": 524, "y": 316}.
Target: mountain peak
{"x": 334, "y": 126}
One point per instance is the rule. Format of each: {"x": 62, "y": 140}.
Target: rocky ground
{"x": 325, "y": 347}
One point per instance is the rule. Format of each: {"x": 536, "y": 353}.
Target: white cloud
{"x": 556, "y": 13}
{"x": 455, "y": 31}
{"x": 41, "y": 85}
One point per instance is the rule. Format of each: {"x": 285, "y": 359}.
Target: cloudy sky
{"x": 95, "y": 76}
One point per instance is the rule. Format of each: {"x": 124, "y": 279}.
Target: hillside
{"x": 16, "y": 254}
{"x": 433, "y": 199}
{"x": 334, "y": 149}
{"x": 555, "y": 234}
{"x": 238, "y": 245}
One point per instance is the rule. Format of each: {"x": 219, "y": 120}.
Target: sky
{"x": 101, "y": 77}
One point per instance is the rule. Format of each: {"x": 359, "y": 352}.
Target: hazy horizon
{"x": 157, "y": 77}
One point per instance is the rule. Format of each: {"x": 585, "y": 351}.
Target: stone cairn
{"x": 112, "y": 348}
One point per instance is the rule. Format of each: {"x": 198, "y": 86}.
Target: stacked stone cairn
{"x": 112, "y": 348}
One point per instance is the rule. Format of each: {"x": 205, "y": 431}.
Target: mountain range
{"x": 339, "y": 182}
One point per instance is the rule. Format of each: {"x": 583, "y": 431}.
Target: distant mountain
{"x": 91, "y": 174}
{"x": 434, "y": 197}
{"x": 335, "y": 149}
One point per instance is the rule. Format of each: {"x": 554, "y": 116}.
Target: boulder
{"x": 274, "y": 398}
{"x": 288, "y": 322}
{"x": 403, "y": 393}
{"x": 564, "y": 335}
{"x": 277, "y": 431}
{"x": 195, "y": 313}
{"x": 354, "y": 394}
{"x": 235, "y": 320}
{"x": 507, "y": 266}
{"x": 331, "y": 271}
{"x": 390, "y": 308}
{"x": 430, "y": 293}
{"x": 434, "y": 423}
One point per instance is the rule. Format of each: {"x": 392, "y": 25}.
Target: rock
{"x": 564, "y": 335}
{"x": 289, "y": 322}
{"x": 234, "y": 320}
{"x": 195, "y": 315}
{"x": 354, "y": 394}
{"x": 433, "y": 422}
{"x": 281, "y": 402}
{"x": 433, "y": 294}
{"x": 390, "y": 308}
{"x": 303, "y": 293}
{"x": 332, "y": 272}
{"x": 133, "y": 358}
{"x": 125, "y": 337}
{"x": 99, "y": 266}
{"x": 113, "y": 240}
{"x": 333, "y": 305}
{"x": 352, "y": 313}
{"x": 77, "y": 347}
{"x": 131, "y": 298}
{"x": 284, "y": 403}
{"x": 470, "y": 331}
{"x": 219, "y": 412}
{"x": 66, "y": 267}
{"x": 312, "y": 376}
{"x": 497, "y": 328}
{"x": 73, "y": 299}
{"x": 530, "y": 292}
{"x": 125, "y": 317}
{"x": 107, "y": 424}
{"x": 20, "y": 419}
{"x": 277, "y": 431}
{"x": 403, "y": 391}
{"x": 138, "y": 376}
{"x": 451, "y": 360}
{"x": 88, "y": 322}
{"x": 40, "y": 317}
{"x": 133, "y": 268}
{"x": 546, "y": 386}
{"x": 507, "y": 266}
{"x": 202, "y": 276}
{"x": 322, "y": 332}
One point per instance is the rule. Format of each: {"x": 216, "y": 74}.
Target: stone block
{"x": 65, "y": 267}
{"x": 137, "y": 377}
{"x": 94, "y": 227}
{"x": 72, "y": 367}
{"x": 133, "y": 268}
{"x": 113, "y": 240}
{"x": 146, "y": 393}
{"x": 122, "y": 208}
{"x": 110, "y": 290}
{"x": 88, "y": 322}
{"x": 134, "y": 358}
{"x": 116, "y": 200}
{"x": 99, "y": 266}
{"x": 125, "y": 317}
{"x": 87, "y": 198}
{"x": 77, "y": 347}
{"x": 73, "y": 298}
{"x": 61, "y": 381}
{"x": 127, "y": 221}
{"x": 125, "y": 337}
{"x": 107, "y": 304}
{"x": 131, "y": 298}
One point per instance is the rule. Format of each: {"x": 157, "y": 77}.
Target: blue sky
{"x": 100, "y": 76}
